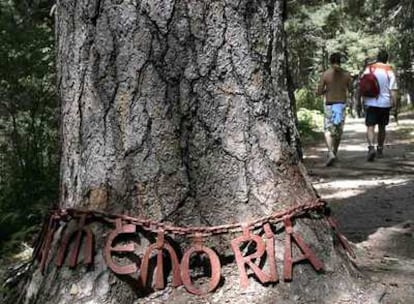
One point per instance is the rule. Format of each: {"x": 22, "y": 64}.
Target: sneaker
{"x": 379, "y": 152}
{"x": 371, "y": 154}
{"x": 331, "y": 159}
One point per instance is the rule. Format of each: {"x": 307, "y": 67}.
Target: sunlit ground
{"x": 374, "y": 205}
{"x": 367, "y": 195}
{"x": 350, "y": 188}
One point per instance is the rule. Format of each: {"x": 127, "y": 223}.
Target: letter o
{"x": 215, "y": 270}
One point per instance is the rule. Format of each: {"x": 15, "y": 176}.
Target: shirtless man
{"x": 334, "y": 85}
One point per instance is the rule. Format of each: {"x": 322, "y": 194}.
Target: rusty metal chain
{"x": 181, "y": 269}
{"x": 155, "y": 226}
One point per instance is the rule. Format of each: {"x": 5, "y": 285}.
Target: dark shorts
{"x": 377, "y": 116}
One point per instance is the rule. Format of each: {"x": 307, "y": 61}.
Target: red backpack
{"x": 368, "y": 85}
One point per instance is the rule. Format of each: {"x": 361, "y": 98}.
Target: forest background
{"x": 29, "y": 104}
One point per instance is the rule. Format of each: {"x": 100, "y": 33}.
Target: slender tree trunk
{"x": 179, "y": 111}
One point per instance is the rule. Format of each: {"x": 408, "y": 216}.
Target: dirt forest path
{"x": 373, "y": 203}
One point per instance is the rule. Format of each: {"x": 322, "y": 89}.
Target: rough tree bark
{"x": 178, "y": 110}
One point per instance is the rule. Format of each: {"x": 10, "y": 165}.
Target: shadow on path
{"x": 366, "y": 196}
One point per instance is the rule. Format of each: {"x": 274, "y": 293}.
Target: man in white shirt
{"x": 377, "y": 109}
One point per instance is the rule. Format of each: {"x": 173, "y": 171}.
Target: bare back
{"x": 334, "y": 84}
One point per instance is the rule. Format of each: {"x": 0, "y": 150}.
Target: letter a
{"x": 306, "y": 251}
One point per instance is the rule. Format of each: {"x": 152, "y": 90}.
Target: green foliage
{"x": 28, "y": 101}
{"x": 310, "y": 123}
{"x": 355, "y": 28}
{"x": 28, "y": 118}
{"x": 306, "y": 98}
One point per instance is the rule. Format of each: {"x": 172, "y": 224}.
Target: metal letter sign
{"x": 262, "y": 262}
{"x": 307, "y": 252}
{"x": 159, "y": 246}
{"x": 88, "y": 250}
{"x": 261, "y": 247}
{"x": 120, "y": 229}
{"x": 45, "y": 248}
{"x": 270, "y": 250}
{"x": 214, "y": 262}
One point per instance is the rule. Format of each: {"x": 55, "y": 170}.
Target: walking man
{"x": 334, "y": 85}
{"x": 377, "y": 109}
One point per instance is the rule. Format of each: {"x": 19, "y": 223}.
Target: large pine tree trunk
{"x": 179, "y": 111}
